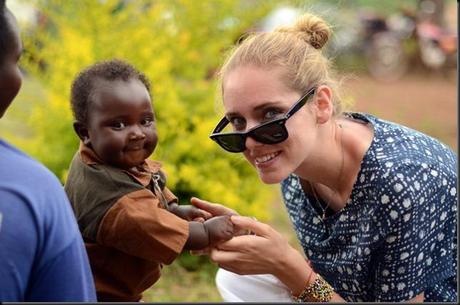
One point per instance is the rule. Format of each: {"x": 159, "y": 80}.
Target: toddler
{"x": 130, "y": 221}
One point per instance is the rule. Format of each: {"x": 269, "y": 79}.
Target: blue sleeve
{"x": 18, "y": 242}
{"x": 419, "y": 227}
{"x": 66, "y": 277}
{"x": 42, "y": 255}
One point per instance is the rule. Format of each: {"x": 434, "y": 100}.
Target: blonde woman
{"x": 373, "y": 203}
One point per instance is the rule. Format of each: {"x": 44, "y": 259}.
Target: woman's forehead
{"x": 246, "y": 89}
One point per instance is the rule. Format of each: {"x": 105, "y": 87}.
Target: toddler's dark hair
{"x": 84, "y": 83}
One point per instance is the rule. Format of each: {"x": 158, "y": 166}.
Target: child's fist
{"x": 219, "y": 229}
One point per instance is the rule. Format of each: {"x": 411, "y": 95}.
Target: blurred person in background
{"x": 373, "y": 202}
{"x": 42, "y": 256}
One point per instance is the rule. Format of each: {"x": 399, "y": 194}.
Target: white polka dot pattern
{"x": 396, "y": 237}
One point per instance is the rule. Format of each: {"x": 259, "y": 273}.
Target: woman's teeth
{"x": 266, "y": 158}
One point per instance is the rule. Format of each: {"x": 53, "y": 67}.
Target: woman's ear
{"x": 323, "y": 104}
{"x": 82, "y": 131}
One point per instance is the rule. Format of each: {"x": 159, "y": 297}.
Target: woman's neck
{"x": 332, "y": 172}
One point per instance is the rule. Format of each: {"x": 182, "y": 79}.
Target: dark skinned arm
{"x": 189, "y": 212}
{"x": 209, "y": 233}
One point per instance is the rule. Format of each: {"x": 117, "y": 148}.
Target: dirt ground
{"x": 424, "y": 102}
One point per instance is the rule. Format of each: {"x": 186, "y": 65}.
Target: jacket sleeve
{"x": 138, "y": 226}
{"x": 170, "y": 197}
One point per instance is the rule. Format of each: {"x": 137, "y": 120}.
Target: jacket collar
{"x": 142, "y": 173}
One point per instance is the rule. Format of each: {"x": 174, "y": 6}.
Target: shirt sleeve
{"x": 170, "y": 197}
{"x": 43, "y": 258}
{"x": 418, "y": 229}
{"x": 137, "y": 225}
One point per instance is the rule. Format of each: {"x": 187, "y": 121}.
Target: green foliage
{"x": 178, "y": 45}
{"x": 388, "y": 6}
{"x": 179, "y": 285}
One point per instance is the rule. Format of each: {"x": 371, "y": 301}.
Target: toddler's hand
{"x": 219, "y": 229}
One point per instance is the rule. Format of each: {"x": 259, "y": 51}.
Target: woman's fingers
{"x": 251, "y": 224}
{"x": 222, "y": 257}
{"x": 238, "y": 243}
{"x": 204, "y": 214}
{"x": 234, "y": 262}
{"x": 213, "y": 208}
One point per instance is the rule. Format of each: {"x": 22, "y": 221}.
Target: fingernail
{"x": 234, "y": 217}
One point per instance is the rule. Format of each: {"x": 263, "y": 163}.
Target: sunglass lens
{"x": 270, "y": 133}
{"x": 231, "y": 142}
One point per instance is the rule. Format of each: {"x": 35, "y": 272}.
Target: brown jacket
{"x": 128, "y": 234}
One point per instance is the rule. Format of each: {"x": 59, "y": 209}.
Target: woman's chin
{"x": 271, "y": 179}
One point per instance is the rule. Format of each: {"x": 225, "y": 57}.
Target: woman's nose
{"x": 252, "y": 143}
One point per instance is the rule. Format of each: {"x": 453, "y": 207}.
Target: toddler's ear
{"x": 81, "y": 131}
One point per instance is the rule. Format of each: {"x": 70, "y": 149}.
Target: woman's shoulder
{"x": 396, "y": 143}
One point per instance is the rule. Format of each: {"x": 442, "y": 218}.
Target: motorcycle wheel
{"x": 386, "y": 60}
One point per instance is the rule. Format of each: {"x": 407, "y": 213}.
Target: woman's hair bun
{"x": 311, "y": 29}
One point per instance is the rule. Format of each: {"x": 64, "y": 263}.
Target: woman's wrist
{"x": 294, "y": 271}
{"x": 305, "y": 284}
{"x": 318, "y": 291}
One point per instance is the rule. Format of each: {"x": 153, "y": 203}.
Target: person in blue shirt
{"x": 373, "y": 203}
{"x": 42, "y": 256}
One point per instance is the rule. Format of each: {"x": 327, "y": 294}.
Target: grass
{"x": 177, "y": 284}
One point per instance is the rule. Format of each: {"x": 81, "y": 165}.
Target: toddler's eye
{"x": 118, "y": 125}
{"x": 147, "y": 122}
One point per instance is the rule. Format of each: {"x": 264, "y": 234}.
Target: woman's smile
{"x": 264, "y": 160}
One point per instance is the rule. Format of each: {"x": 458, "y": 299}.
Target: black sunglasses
{"x": 271, "y": 132}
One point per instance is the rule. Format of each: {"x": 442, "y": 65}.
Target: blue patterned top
{"x": 397, "y": 235}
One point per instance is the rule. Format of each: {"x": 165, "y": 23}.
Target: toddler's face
{"x": 121, "y": 125}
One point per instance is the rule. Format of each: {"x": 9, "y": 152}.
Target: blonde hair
{"x": 295, "y": 48}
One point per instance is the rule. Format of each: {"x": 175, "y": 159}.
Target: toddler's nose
{"x": 136, "y": 133}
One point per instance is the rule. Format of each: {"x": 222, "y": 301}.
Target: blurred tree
{"x": 178, "y": 45}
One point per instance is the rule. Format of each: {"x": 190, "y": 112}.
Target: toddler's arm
{"x": 209, "y": 233}
{"x": 188, "y": 212}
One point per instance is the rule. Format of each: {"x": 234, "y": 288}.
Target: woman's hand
{"x": 214, "y": 208}
{"x": 265, "y": 252}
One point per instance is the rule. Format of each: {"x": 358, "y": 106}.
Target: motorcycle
{"x": 438, "y": 47}
{"x": 393, "y": 45}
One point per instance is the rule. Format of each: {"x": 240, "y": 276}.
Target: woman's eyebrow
{"x": 266, "y": 105}
{"x": 232, "y": 114}
{"x": 258, "y": 108}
